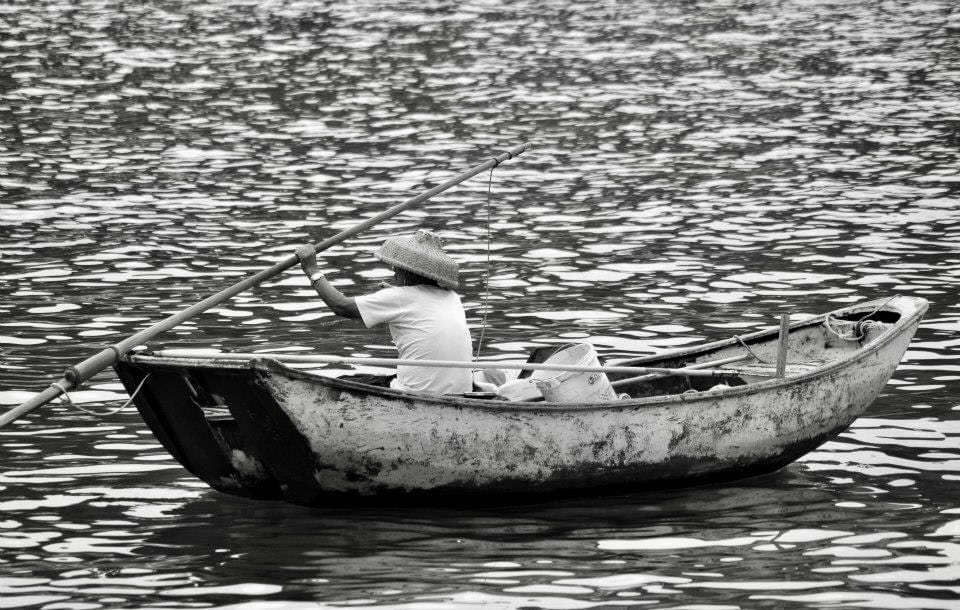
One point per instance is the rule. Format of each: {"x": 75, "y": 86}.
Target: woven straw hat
{"x": 421, "y": 253}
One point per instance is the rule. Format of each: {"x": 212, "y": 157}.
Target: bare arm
{"x": 339, "y": 303}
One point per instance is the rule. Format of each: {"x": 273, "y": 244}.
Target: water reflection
{"x": 697, "y": 169}
{"x": 106, "y": 518}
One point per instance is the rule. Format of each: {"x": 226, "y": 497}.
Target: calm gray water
{"x": 699, "y": 167}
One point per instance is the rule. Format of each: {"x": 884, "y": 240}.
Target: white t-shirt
{"x": 426, "y": 323}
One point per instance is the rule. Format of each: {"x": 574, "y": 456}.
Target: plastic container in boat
{"x": 571, "y": 386}
{"x": 519, "y": 390}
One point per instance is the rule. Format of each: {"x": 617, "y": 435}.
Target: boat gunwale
{"x": 266, "y": 364}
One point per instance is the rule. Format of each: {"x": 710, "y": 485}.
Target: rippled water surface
{"x": 698, "y": 168}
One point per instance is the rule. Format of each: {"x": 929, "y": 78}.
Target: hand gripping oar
{"x": 79, "y": 373}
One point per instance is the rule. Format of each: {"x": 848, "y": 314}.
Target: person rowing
{"x": 423, "y": 312}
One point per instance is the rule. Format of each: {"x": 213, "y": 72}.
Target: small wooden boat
{"x": 261, "y": 429}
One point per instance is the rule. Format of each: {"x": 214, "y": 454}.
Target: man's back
{"x": 426, "y": 323}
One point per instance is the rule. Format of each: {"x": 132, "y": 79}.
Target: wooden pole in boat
{"x": 619, "y": 383}
{"x": 693, "y": 371}
{"x": 79, "y": 373}
{"x": 782, "y": 342}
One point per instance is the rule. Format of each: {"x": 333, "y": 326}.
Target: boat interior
{"x": 810, "y": 346}
{"x": 752, "y": 359}
{"x": 749, "y": 359}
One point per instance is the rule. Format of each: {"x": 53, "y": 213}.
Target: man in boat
{"x": 423, "y": 313}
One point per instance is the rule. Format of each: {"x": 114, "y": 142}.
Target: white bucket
{"x": 571, "y": 386}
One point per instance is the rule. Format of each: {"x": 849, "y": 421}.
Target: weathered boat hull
{"x": 262, "y": 429}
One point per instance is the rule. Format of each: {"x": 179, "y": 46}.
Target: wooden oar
{"x": 450, "y": 364}
{"x": 702, "y": 365}
{"x": 77, "y": 374}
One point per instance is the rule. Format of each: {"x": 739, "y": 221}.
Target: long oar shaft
{"x": 77, "y": 374}
{"x": 452, "y": 364}
{"x": 37, "y": 400}
{"x": 702, "y": 365}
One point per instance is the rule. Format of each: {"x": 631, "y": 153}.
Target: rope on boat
{"x": 486, "y": 275}
{"x": 856, "y": 335}
{"x": 63, "y": 392}
{"x": 747, "y": 347}
{"x": 70, "y": 402}
{"x": 860, "y": 327}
